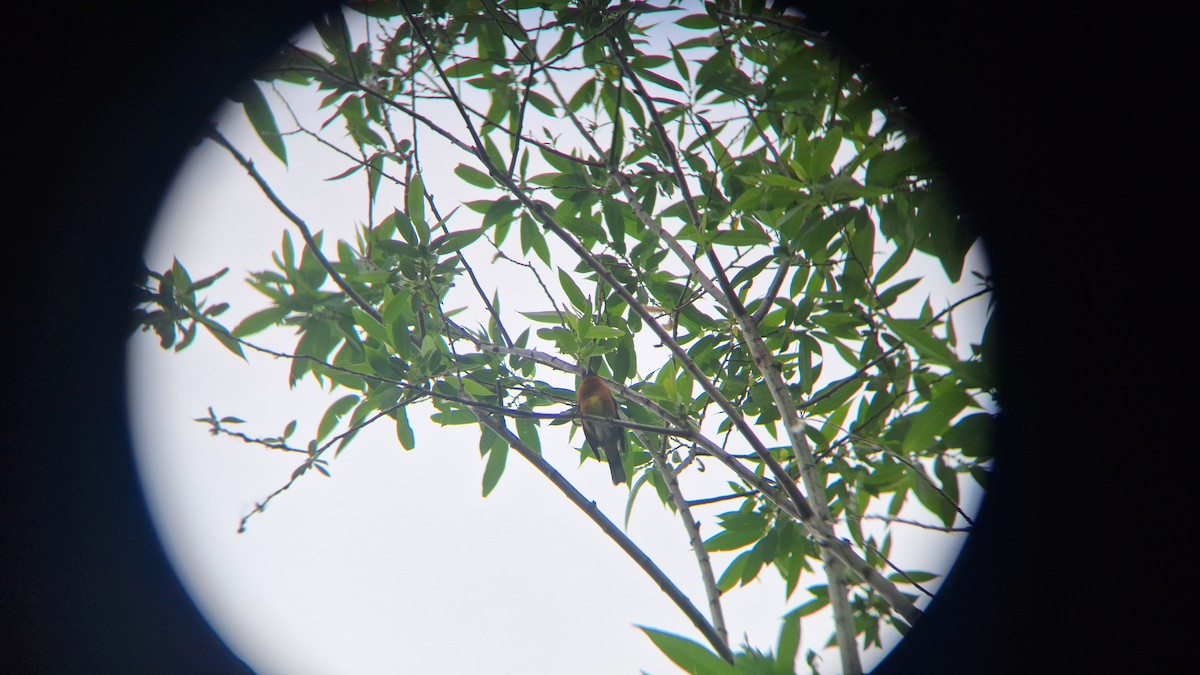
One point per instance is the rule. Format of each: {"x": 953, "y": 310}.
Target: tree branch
{"x": 692, "y": 526}
{"x": 843, "y": 615}
{"x": 609, "y": 528}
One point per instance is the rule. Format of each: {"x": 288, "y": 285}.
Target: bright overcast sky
{"x": 396, "y": 563}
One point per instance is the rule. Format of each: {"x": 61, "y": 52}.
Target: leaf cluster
{"x": 739, "y": 136}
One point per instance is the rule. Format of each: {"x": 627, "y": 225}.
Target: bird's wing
{"x": 592, "y": 441}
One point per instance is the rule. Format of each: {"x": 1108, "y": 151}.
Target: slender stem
{"x": 772, "y": 292}
{"x": 692, "y": 526}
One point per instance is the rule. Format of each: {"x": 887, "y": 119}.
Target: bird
{"x": 595, "y": 399}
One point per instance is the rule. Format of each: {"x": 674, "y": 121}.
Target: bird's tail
{"x": 616, "y": 469}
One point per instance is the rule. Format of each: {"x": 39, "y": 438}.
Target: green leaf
{"x": 894, "y": 263}
{"x": 468, "y": 68}
{"x": 584, "y": 94}
{"x": 180, "y": 279}
{"x": 692, "y": 657}
{"x": 775, "y": 180}
{"x": 740, "y": 238}
{"x": 974, "y": 374}
{"x": 661, "y": 81}
{"x": 261, "y": 118}
{"x": 947, "y": 401}
{"x": 334, "y": 413}
{"x": 369, "y": 325}
{"x": 824, "y": 152}
{"x": 584, "y": 228}
{"x": 455, "y": 241}
{"x": 543, "y": 104}
{"x": 574, "y": 294}
{"x": 453, "y": 417}
{"x": 910, "y": 576}
{"x": 696, "y": 22}
{"x": 811, "y": 607}
{"x": 949, "y": 239}
{"x": 892, "y": 165}
{"x": 404, "y": 432}
{"x": 846, "y": 189}
{"x": 973, "y": 434}
{"x": 599, "y": 332}
{"x": 533, "y": 238}
{"x": 474, "y": 176}
{"x": 493, "y": 152}
{"x": 833, "y": 395}
{"x": 543, "y": 317}
{"x": 403, "y": 225}
{"x": 218, "y": 331}
{"x": 680, "y": 64}
{"x": 495, "y": 466}
{"x": 949, "y": 480}
{"x": 208, "y": 280}
{"x": 312, "y": 272}
{"x": 892, "y": 293}
{"x": 928, "y": 346}
{"x": 731, "y": 540}
{"x": 415, "y": 204}
{"x": 288, "y": 251}
{"x": 614, "y": 219}
{"x": 260, "y": 321}
{"x": 733, "y": 573}
{"x": 645, "y": 61}
{"x": 565, "y": 42}
{"x": 316, "y": 342}
{"x": 789, "y": 639}
{"x": 930, "y": 498}
{"x": 527, "y": 431}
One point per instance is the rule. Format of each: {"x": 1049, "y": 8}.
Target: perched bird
{"x": 595, "y": 399}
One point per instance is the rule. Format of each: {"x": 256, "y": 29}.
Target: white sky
{"x": 396, "y": 563}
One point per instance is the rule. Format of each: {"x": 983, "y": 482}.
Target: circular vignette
{"x": 91, "y": 585}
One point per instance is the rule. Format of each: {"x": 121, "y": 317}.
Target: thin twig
{"x": 217, "y": 429}
{"x": 772, "y": 292}
{"x": 916, "y": 523}
{"x": 313, "y": 458}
